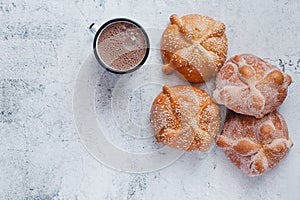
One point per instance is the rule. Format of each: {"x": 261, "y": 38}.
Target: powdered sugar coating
{"x": 195, "y": 46}
{"x": 255, "y": 145}
{"x": 251, "y": 86}
{"x": 185, "y": 118}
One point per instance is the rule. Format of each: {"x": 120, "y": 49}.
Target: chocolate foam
{"x": 122, "y": 45}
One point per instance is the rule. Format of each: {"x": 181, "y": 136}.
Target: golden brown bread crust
{"x": 185, "y": 118}
{"x": 255, "y": 145}
{"x": 195, "y": 46}
{"x": 249, "y": 85}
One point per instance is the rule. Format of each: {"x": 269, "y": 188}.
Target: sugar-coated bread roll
{"x": 185, "y": 118}
{"x": 255, "y": 145}
{"x": 195, "y": 46}
{"x": 249, "y": 85}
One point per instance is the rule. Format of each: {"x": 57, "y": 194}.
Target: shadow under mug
{"x": 97, "y": 30}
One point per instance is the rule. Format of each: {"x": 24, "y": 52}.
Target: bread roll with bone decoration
{"x": 194, "y": 46}
{"x": 185, "y": 118}
{"x": 251, "y": 86}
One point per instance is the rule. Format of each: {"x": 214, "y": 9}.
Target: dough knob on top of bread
{"x": 185, "y": 118}
{"x": 255, "y": 145}
{"x": 251, "y": 86}
{"x": 194, "y": 46}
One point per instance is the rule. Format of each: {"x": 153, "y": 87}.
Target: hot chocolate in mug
{"x": 120, "y": 45}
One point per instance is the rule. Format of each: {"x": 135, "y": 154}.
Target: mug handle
{"x": 94, "y": 28}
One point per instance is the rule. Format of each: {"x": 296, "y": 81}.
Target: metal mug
{"x": 97, "y": 30}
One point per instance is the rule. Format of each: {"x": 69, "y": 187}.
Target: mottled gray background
{"x": 42, "y": 46}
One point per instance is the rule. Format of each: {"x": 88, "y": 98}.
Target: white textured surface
{"x": 42, "y": 46}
